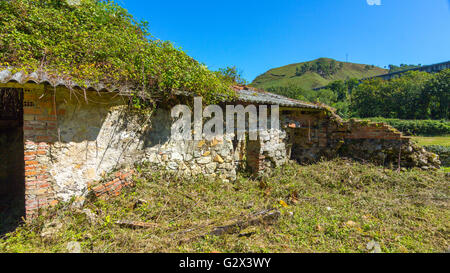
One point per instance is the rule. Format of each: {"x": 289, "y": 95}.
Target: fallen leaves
{"x": 351, "y": 224}
{"x": 282, "y": 203}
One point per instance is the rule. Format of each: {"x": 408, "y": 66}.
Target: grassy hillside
{"x": 333, "y": 206}
{"x": 283, "y": 76}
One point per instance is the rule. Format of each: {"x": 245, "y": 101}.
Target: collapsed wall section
{"x": 73, "y": 139}
{"x": 320, "y": 134}
{"x": 381, "y": 144}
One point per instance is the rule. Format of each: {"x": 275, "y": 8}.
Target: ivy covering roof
{"x": 243, "y": 94}
{"x": 98, "y": 42}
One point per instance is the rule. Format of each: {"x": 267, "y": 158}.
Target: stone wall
{"x": 268, "y": 152}
{"x": 307, "y": 134}
{"x": 95, "y": 137}
{"x": 73, "y": 139}
{"x": 317, "y": 135}
{"x": 381, "y": 144}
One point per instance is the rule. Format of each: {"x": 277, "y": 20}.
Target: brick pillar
{"x": 255, "y": 160}
{"x": 40, "y": 132}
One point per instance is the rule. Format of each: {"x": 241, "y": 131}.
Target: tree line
{"x": 402, "y": 67}
{"x": 323, "y": 67}
{"x": 414, "y": 95}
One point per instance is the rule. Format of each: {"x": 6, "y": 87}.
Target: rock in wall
{"x": 102, "y": 135}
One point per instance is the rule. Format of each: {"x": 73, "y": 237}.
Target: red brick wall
{"x": 114, "y": 185}
{"x": 364, "y": 130}
{"x": 255, "y": 160}
{"x": 40, "y": 132}
{"x": 316, "y": 135}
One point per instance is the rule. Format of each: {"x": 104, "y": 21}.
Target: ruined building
{"x": 58, "y": 139}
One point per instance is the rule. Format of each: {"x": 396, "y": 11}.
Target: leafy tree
{"x": 232, "y": 74}
{"x": 415, "y": 95}
{"x": 326, "y": 96}
{"x": 322, "y": 66}
{"x": 402, "y": 95}
{"x": 343, "y": 91}
{"x": 340, "y": 88}
{"x": 343, "y": 109}
{"x": 294, "y": 92}
{"x": 351, "y": 85}
{"x": 436, "y": 96}
{"x": 402, "y": 67}
{"x": 367, "y": 98}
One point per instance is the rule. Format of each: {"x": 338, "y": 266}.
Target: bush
{"x": 414, "y": 95}
{"x": 418, "y": 127}
{"x": 442, "y": 151}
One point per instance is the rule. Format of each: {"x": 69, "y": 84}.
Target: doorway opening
{"x": 12, "y": 169}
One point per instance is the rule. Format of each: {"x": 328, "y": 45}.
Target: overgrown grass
{"x": 336, "y": 206}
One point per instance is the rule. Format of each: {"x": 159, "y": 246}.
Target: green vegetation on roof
{"x": 310, "y": 75}
{"x": 98, "y": 41}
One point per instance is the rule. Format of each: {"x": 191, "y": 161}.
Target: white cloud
{"x": 374, "y": 2}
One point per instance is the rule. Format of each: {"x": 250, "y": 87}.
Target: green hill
{"x": 313, "y": 74}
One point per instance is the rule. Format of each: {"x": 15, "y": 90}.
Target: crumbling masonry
{"x": 75, "y": 137}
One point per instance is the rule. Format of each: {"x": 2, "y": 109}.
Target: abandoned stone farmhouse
{"x": 59, "y": 140}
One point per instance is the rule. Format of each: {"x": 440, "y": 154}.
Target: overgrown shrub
{"x": 418, "y": 127}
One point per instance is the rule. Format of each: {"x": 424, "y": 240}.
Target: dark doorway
{"x": 12, "y": 170}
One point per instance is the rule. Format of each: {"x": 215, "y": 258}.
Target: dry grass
{"x": 336, "y": 206}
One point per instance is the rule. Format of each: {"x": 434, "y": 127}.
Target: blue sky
{"x": 256, "y": 35}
